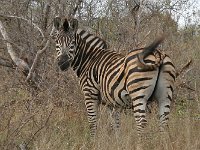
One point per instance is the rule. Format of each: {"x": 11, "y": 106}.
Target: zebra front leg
{"x": 114, "y": 117}
{"x": 91, "y": 103}
{"x": 139, "y": 110}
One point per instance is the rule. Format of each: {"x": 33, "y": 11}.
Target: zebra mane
{"x": 85, "y": 33}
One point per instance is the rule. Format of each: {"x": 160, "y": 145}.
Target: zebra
{"x": 116, "y": 80}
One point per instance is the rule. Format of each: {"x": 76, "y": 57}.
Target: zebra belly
{"x": 117, "y": 97}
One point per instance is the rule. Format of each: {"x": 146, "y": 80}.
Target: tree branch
{"x": 46, "y": 14}
{"x": 14, "y": 44}
{"x": 73, "y": 11}
{"x": 28, "y": 21}
{"x": 42, "y": 127}
{"x": 6, "y": 63}
{"x": 140, "y": 42}
{"x": 184, "y": 68}
{"x": 39, "y": 53}
{"x": 19, "y": 62}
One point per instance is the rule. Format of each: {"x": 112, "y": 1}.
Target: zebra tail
{"x": 146, "y": 52}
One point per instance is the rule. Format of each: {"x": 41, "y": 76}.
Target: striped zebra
{"x": 108, "y": 77}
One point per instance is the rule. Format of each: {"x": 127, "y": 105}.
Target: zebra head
{"x": 65, "y": 41}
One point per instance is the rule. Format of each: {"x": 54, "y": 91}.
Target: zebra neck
{"x": 88, "y": 47}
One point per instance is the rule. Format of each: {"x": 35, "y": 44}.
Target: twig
{"x": 21, "y": 64}
{"x": 73, "y": 11}
{"x": 46, "y": 14}
{"x": 18, "y": 129}
{"x": 39, "y": 53}
{"x": 185, "y": 67}
{"x": 140, "y": 42}
{"x": 14, "y": 44}
{"x": 23, "y": 123}
{"x": 28, "y": 21}
{"x": 184, "y": 85}
{"x": 4, "y": 62}
{"x": 47, "y": 120}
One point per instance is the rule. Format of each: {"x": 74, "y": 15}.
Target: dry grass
{"x": 67, "y": 132}
{"x": 67, "y": 129}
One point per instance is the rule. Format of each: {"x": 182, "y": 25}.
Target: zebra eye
{"x": 57, "y": 46}
{"x": 71, "y": 52}
{"x": 72, "y": 47}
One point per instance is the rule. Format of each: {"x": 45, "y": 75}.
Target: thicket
{"x": 43, "y": 108}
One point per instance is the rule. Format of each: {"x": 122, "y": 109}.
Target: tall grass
{"x": 67, "y": 132}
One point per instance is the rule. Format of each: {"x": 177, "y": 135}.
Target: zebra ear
{"x": 57, "y": 22}
{"x": 66, "y": 25}
{"x": 74, "y": 24}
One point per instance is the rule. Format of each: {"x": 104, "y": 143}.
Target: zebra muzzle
{"x": 64, "y": 62}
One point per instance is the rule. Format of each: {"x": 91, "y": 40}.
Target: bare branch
{"x": 135, "y": 7}
{"x": 184, "y": 68}
{"x": 21, "y": 64}
{"x": 73, "y": 11}
{"x": 14, "y": 44}
{"x": 28, "y": 21}
{"x": 184, "y": 85}
{"x": 140, "y": 42}
{"x": 39, "y": 53}
{"x": 6, "y": 63}
{"x": 43, "y": 126}
{"x": 46, "y": 14}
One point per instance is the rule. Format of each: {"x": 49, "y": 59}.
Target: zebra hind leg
{"x": 163, "y": 94}
{"x": 139, "y": 110}
{"x": 164, "y": 91}
{"x": 164, "y": 110}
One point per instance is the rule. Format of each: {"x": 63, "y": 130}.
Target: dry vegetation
{"x": 53, "y": 116}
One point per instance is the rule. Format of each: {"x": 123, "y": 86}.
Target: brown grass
{"x": 72, "y": 133}
{"x": 68, "y": 129}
